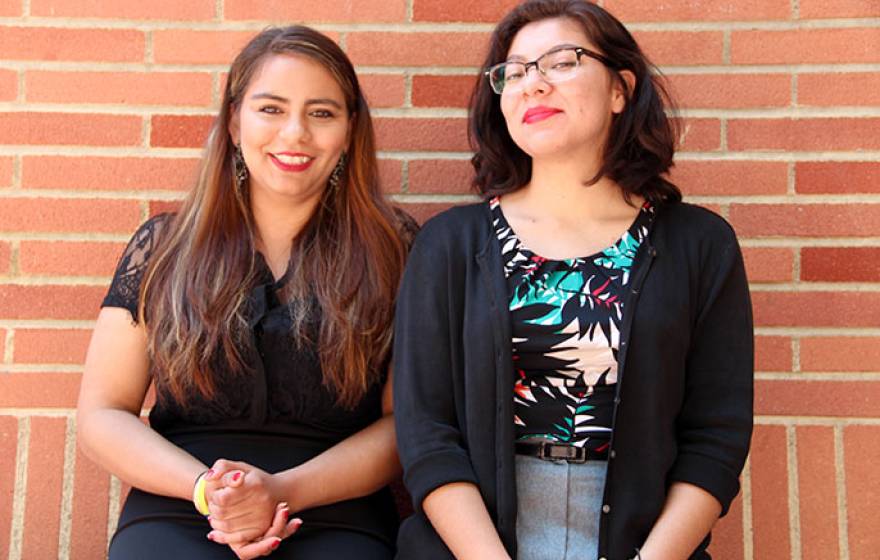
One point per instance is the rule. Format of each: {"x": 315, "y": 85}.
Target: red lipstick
{"x": 291, "y": 167}
{"x": 539, "y": 113}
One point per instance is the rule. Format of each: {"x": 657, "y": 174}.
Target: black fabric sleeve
{"x": 125, "y": 288}
{"x": 714, "y": 426}
{"x": 428, "y": 432}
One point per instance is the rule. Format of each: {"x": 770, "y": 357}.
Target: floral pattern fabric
{"x": 565, "y": 319}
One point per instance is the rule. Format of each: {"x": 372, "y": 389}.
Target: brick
{"x": 45, "y": 471}
{"x": 727, "y": 535}
{"x": 836, "y": 399}
{"x": 833, "y": 177}
{"x": 440, "y": 176}
{"x": 316, "y": 10}
{"x": 806, "y": 46}
{"x": 682, "y": 48}
{"x": 39, "y": 390}
{"x": 131, "y": 88}
{"x": 8, "y": 85}
{"x": 769, "y": 481}
{"x": 838, "y": 8}
{"x": 816, "y": 309}
{"x": 691, "y": 10}
{"x": 830, "y": 90}
{"x": 108, "y": 173}
{"x": 9, "y": 445}
{"x": 390, "y": 175}
{"x": 383, "y": 90}
{"x": 9, "y": 8}
{"x": 731, "y": 91}
{"x": 840, "y": 353}
{"x": 817, "y": 492}
{"x": 806, "y": 220}
{"x": 435, "y": 134}
{"x": 50, "y": 302}
{"x": 88, "y": 520}
{"x": 729, "y": 178}
{"x": 769, "y": 264}
{"x": 422, "y": 211}
{"x": 772, "y": 353}
{"x": 58, "y": 43}
{"x": 69, "y": 258}
{"x": 51, "y": 346}
{"x": 183, "y": 46}
{"x": 180, "y": 131}
{"x": 5, "y": 257}
{"x": 840, "y": 264}
{"x": 164, "y": 206}
{"x": 6, "y": 167}
{"x": 416, "y": 49}
{"x": 442, "y": 91}
{"x": 71, "y": 215}
{"x": 487, "y": 11}
{"x": 699, "y": 135}
{"x": 54, "y": 129}
{"x": 155, "y": 9}
{"x": 818, "y": 134}
{"x": 861, "y": 457}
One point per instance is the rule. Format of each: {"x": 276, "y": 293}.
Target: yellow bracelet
{"x": 199, "y": 498}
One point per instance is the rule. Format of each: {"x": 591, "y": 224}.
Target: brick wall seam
{"x": 19, "y": 496}
{"x": 746, "y": 497}
{"x": 67, "y": 489}
{"x": 840, "y": 485}
{"x": 793, "y": 498}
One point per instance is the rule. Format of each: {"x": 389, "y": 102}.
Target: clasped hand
{"x": 247, "y": 511}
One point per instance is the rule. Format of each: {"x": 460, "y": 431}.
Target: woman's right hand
{"x": 280, "y": 529}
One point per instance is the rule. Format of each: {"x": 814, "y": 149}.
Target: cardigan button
{"x": 612, "y": 454}
{"x": 606, "y": 508}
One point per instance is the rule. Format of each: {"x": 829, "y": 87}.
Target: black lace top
{"x": 285, "y": 396}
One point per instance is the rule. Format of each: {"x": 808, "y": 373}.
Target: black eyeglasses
{"x": 555, "y": 66}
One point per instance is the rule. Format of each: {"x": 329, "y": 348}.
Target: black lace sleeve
{"x": 406, "y": 226}
{"x": 125, "y": 288}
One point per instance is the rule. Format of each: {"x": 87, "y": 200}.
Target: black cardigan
{"x": 684, "y": 412}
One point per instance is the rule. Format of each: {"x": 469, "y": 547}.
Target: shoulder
{"x": 694, "y": 223}
{"x": 457, "y": 222}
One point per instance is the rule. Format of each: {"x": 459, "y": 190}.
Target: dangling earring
{"x": 336, "y": 174}
{"x": 239, "y": 166}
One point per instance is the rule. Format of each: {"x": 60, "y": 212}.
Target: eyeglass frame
{"x": 579, "y": 51}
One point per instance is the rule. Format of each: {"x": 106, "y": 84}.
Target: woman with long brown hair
{"x": 261, "y": 311}
{"x": 575, "y": 350}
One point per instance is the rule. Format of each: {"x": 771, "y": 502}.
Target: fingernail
{"x": 208, "y": 517}
{"x": 275, "y": 544}
{"x": 285, "y": 514}
{"x": 282, "y": 505}
{"x": 236, "y": 476}
{"x": 210, "y": 536}
{"x": 210, "y": 473}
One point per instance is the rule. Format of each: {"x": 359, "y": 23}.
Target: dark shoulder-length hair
{"x": 344, "y": 266}
{"x": 641, "y": 142}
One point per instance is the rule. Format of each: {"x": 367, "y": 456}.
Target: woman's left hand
{"x": 242, "y": 500}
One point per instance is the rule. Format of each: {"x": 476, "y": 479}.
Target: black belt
{"x": 550, "y": 451}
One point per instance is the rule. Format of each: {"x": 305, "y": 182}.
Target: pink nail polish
{"x": 236, "y": 476}
{"x": 275, "y": 544}
{"x": 210, "y": 473}
{"x": 285, "y": 514}
{"x": 210, "y": 536}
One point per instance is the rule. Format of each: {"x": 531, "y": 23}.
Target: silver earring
{"x": 336, "y": 174}
{"x": 239, "y": 166}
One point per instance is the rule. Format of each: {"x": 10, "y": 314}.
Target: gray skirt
{"x": 558, "y": 508}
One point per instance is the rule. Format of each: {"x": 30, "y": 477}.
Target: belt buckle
{"x": 557, "y": 452}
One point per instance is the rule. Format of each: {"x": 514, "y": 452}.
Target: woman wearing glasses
{"x": 575, "y": 352}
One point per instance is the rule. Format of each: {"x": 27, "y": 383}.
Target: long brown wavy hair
{"x": 641, "y": 142}
{"x": 345, "y": 265}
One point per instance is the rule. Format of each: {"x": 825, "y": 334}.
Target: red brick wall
{"x": 103, "y": 106}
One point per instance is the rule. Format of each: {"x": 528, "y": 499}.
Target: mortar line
{"x": 67, "y": 481}
{"x": 113, "y": 507}
{"x": 21, "y": 95}
{"x": 795, "y": 354}
{"x": 19, "y": 499}
{"x": 218, "y": 11}
{"x": 725, "y": 46}
{"x": 840, "y": 478}
{"x": 748, "y": 530}
{"x": 404, "y": 177}
{"x": 8, "y": 346}
{"x": 794, "y": 508}
{"x": 15, "y": 258}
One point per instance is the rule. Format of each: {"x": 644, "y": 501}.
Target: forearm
{"x": 355, "y": 467}
{"x": 687, "y": 517}
{"x": 119, "y": 442}
{"x": 459, "y": 516}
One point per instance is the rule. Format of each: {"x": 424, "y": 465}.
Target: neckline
{"x": 495, "y": 206}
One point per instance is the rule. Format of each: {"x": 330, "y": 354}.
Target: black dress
{"x": 275, "y": 419}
